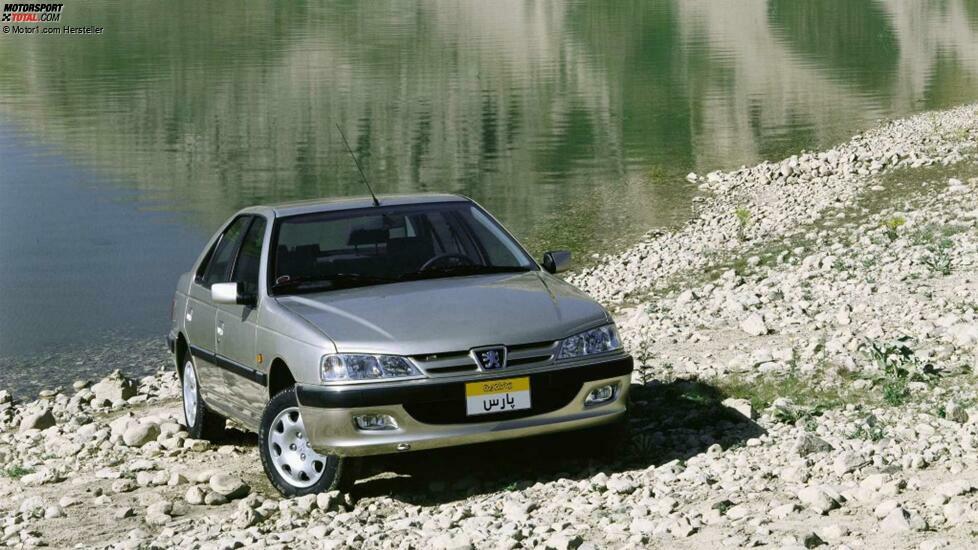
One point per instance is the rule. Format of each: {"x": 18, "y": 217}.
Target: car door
{"x": 237, "y": 329}
{"x": 201, "y": 314}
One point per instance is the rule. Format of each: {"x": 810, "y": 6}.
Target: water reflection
{"x": 573, "y": 121}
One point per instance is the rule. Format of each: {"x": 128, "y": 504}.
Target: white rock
{"x": 819, "y": 499}
{"x": 901, "y": 520}
{"x": 32, "y": 506}
{"x": 140, "y": 434}
{"x": 963, "y": 335}
{"x": 935, "y": 544}
{"x": 955, "y": 412}
{"x": 620, "y": 485}
{"x": 884, "y": 508}
{"x": 53, "y": 512}
{"x": 954, "y": 488}
{"x": 194, "y": 495}
{"x": 329, "y": 501}
{"x": 448, "y": 541}
{"x": 229, "y": 486}
{"x": 38, "y": 420}
{"x": 742, "y": 406}
{"x": 115, "y": 387}
{"x": 808, "y": 443}
{"x": 847, "y": 462}
{"x": 754, "y": 325}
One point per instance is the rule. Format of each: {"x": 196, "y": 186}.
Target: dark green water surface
{"x": 574, "y": 122}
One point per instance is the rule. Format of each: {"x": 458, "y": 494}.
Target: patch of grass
{"x": 870, "y": 432}
{"x": 16, "y": 471}
{"x": 895, "y": 392}
{"x": 810, "y": 395}
{"x": 891, "y": 225}
{"x": 899, "y": 366}
{"x": 939, "y": 257}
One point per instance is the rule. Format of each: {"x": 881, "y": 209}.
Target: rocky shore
{"x": 806, "y": 349}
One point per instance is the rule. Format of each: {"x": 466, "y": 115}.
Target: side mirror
{"x": 556, "y": 261}
{"x": 227, "y": 293}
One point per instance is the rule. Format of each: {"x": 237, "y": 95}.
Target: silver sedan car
{"x": 337, "y": 329}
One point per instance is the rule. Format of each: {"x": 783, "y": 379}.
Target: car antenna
{"x": 357, "y": 162}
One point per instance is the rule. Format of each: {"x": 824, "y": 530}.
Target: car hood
{"x": 449, "y": 314}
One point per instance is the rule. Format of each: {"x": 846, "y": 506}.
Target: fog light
{"x": 374, "y": 422}
{"x": 600, "y": 395}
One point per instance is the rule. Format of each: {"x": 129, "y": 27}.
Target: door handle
{"x": 220, "y": 331}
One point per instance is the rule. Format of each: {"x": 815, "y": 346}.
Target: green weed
{"x": 743, "y": 220}
{"x": 891, "y": 225}
{"x": 939, "y": 257}
{"x": 16, "y": 472}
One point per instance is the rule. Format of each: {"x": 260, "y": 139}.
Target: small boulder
{"x": 329, "y": 501}
{"x": 809, "y": 444}
{"x": 620, "y": 485}
{"x": 115, "y": 387}
{"x": 754, "y": 325}
{"x": 955, "y": 412}
{"x": 818, "y": 499}
{"x": 123, "y": 485}
{"x": 742, "y": 406}
{"x": 849, "y": 462}
{"x": 140, "y": 434}
{"x": 228, "y": 486}
{"x": 899, "y": 520}
{"x": 194, "y": 495}
{"x": 53, "y": 511}
{"x": 38, "y": 420}
{"x": 214, "y": 499}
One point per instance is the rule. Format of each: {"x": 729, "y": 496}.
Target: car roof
{"x": 349, "y": 203}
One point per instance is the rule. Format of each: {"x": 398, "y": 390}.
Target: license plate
{"x": 496, "y": 396}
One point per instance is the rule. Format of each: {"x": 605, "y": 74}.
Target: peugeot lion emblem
{"x": 490, "y": 358}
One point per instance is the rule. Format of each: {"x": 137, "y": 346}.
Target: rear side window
{"x": 249, "y": 259}
{"x": 215, "y": 268}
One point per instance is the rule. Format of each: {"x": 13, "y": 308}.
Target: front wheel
{"x": 290, "y": 463}
{"x": 202, "y": 423}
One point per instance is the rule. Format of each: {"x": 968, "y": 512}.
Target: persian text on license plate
{"x": 495, "y": 396}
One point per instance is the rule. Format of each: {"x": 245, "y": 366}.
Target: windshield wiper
{"x": 461, "y": 270}
{"x": 336, "y": 281}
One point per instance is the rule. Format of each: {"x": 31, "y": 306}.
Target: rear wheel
{"x": 290, "y": 463}
{"x": 202, "y": 423}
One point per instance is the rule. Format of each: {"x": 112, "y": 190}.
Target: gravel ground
{"x": 806, "y": 349}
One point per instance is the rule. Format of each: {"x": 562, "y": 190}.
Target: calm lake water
{"x": 574, "y": 122}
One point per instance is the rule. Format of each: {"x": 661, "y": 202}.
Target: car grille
{"x": 549, "y": 391}
{"x": 536, "y": 354}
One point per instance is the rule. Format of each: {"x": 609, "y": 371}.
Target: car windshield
{"x": 386, "y": 244}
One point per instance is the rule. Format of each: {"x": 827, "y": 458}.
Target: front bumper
{"x": 431, "y": 413}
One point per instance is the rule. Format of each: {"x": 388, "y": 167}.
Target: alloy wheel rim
{"x": 293, "y": 457}
{"x": 190, "y": 394}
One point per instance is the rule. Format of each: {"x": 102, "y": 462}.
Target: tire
{"x": 202, "y": 423}
{"x": 293, "y": 467}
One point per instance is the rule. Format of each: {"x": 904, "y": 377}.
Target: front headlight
{"x": 337, "y": 367}
{"x": 596, "y": 340}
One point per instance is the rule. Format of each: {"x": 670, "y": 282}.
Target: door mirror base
{"x": 556, "y": 261}
{"x": 229, "y": 294}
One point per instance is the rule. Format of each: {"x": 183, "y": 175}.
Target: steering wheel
{"x": 446, "y": 256}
